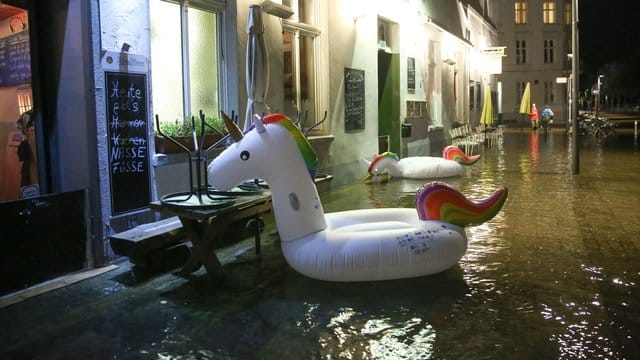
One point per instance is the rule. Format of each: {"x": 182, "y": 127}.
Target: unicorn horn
{"x": 259, "y": 125}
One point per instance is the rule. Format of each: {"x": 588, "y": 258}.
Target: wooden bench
{"x": 164, "y": 242}
{"x": 148, "y": 245}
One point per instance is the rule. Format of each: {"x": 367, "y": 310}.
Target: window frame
{"x": 521, "y": 51}
{"x": 520, "y": 9}
{"x": 217, "y": 7}
{"x": 548, "y": 45}
{"x": 549, "y": 92}
{"x": 317, "y": 32}
{"x": 549, "y": 12}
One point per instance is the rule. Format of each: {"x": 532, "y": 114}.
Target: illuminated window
{"x": 521, "y": 52}
{"x": 549, "y": 12}
{"x": 548, "y": 51}
{"x": 521, "y": 12}
{"x": 567, "y": 13}
{"x": 182, "y": 91}
{"x": 303, "y": 69}
{"x": 549, "y": 95}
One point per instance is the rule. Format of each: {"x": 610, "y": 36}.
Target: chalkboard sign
{"x": 127, "y": 124}
{"x": 15, "y": 59}
{"x": 353, "y": 99}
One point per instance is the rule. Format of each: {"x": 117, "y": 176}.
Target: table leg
{"x": 202, "y": 235}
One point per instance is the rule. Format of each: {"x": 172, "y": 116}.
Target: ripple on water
{"x": 359, "y": 335}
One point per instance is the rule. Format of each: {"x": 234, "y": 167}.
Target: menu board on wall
{"x": 15, "y": 59}
{"x": 127, "y": 130}
{"x": 353, "y": 99}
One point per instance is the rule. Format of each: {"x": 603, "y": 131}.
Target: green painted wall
{"x": 389, "y": 100}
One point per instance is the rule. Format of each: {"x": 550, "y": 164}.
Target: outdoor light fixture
{"x": 276, "y": 9}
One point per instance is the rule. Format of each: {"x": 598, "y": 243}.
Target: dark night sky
{"x": 609, "y": 32}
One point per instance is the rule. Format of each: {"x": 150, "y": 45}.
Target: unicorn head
{"x": 275, "y": 150}
{"x": 255, "y": 154}
{"x": 382, "y": 164}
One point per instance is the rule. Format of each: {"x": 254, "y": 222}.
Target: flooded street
{"x": 555, "y": 275}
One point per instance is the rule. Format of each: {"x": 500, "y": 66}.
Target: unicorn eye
{"x": 245, "y": 155}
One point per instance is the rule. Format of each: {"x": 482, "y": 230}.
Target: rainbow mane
{"x": 439, "y": 201}
{"x": 379, "y": 157}
{"x": 308, "y": 155}
{"x": 454, "y": 153}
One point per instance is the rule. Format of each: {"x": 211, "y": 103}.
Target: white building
{"x": 537, "y": 36}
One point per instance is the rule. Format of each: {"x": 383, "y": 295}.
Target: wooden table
{"x": 203, "y": 226}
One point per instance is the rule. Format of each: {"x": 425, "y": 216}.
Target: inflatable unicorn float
{"x": 354, "y": 245}
{"x": 420, "y": 167}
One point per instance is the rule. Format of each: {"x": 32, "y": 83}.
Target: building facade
{"x": 537, "y": 36}
{"x": 382, "y": 75}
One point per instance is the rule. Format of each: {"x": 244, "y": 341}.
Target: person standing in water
{"x": 534, "y": 117}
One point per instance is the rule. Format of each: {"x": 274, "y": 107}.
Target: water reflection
{"x": 553, "y": 276}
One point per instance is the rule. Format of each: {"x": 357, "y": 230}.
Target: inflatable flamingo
{"x": 355, "y": 245}
{"x": 420, "y": 167}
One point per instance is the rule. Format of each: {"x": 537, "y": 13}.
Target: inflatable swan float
{"x": 420, "y": 167}
{"x": 355, "y": 245}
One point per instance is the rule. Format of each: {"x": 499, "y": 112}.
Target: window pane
{"x": 166, "y": 66}
{"x": 203, "y": 62}
{"x": 290, "y": 93}
{"x": 307, "y": 79}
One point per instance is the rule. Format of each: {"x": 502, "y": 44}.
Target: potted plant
{"x": 182, "y": 132}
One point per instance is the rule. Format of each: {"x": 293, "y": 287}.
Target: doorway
{"x": 18, "y": 160}
{"x": 388, "y": 89}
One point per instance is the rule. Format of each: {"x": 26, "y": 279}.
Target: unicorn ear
{"x": 259, "y": 125}
{"x": 232, "y": 128}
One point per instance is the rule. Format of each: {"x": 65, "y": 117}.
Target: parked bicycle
{"x": 597, "y": 128}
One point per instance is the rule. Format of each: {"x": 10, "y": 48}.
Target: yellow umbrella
{"x": 525, "y": 103}
{"x": 486, "y": 117}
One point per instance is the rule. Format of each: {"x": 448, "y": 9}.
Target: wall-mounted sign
{"x": 15, "y": 59}
{"x": 127, "y": 132}
{"x": 353, "y": 99}
{"x": 411, "y": 75}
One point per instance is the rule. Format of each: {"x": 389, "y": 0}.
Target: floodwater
{"x": 555, "y": 275}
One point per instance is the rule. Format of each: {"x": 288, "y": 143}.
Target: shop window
{"x": 304, "y": 90}
{"x": 185, "y": 59}
{"x": 18, "y": 145}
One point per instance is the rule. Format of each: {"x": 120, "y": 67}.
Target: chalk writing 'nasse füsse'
{"x": 128, "y": 142}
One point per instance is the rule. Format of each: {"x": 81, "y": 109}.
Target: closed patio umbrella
{"x": 525, "y": 102}
{"x": 257, "y": 70}
{"x": 486, "y": 117}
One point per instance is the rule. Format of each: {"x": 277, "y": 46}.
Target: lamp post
{"x": 598, "y": 95}
{"x": 575, "y": 61}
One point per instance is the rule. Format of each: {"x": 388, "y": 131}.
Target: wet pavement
{"x": 555, "y": 275}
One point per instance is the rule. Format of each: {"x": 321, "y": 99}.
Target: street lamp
{"x": 598, "y": 95}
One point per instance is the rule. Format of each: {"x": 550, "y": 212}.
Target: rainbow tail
{"x": 454, "y": 153}
{"x": 439, "y": 201}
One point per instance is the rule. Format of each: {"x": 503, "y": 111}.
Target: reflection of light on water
{"x": 408, "y": 340}
{"x": 383, "y": 338}
{"x": 582, "y": 338}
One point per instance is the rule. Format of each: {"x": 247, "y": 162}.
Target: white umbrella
{"x": 257, "y": 66}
